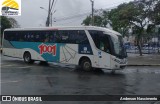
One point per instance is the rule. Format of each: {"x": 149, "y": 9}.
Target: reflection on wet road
{"x": 18, "y": 78}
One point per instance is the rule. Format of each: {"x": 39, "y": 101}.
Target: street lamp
{"x": 49, "y": 18}
{"x": 47, "y": 22}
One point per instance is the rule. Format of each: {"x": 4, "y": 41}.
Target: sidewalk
{"x": 145, "y": 60}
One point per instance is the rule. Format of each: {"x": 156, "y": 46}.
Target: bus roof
{"x": 106, "y": 30}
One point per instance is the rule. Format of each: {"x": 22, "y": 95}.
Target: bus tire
{"x": 86, "y": 64}
{"x": 27, "y": 58}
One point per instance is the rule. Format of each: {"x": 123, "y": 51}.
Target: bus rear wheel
{"x": 86, "y": 65}
{"x": 27, "y": 58}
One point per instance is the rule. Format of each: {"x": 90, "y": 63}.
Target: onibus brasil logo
{"x": 10, "y": 7}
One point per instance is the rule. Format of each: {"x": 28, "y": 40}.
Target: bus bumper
{"x": 118, "y": 64}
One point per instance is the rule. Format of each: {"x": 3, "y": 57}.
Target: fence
{"x": 150, "y": 45}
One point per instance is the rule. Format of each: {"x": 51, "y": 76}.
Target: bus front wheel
{"x": 86, "y": 65}
{"x": 27, "y": 58}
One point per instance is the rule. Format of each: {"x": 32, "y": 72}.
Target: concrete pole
{"x": 48, "y": 18}
{"x": 92, "y": 3}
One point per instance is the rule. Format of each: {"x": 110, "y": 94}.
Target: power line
{"x": 70, "y": 21}
{"x": 82, "y": 14}
{"x": 115, "y": 3}
{"x": 73, "y": 16}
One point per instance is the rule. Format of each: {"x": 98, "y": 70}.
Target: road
{"x": 18, "y": 78}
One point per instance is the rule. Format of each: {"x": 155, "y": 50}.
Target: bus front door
{"x": 104, "y": 59}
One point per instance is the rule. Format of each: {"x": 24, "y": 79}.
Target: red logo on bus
{"x": 51, "y": 49}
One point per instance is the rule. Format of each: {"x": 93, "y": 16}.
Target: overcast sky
{"x": 33, "y": 16}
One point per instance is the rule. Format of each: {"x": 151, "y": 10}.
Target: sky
{"x": 33, "y": 16}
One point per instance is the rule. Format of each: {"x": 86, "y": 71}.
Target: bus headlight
{"x": 123, "y": 61}
{"x": 116, "y": 60}
{"x": 120, "y": 61}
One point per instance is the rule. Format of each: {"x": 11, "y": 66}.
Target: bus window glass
{"x": 101, "y": 40}
{"x": 7, "y": 35}
{"x": 11, "y": 36}
{"x": 62, "y": 36}
{"x": 46, "y": 35}
{"x": 78, "y": 37}
{"x": 38, "y": 37}
{"x": 81, "y": 38}
{"x": 57, "y": 37}
{"x": 71, "y": 36}
{"x": 52, "y": 39}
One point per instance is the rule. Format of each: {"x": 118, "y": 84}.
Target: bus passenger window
{"x": 57, "y": 37}
{"x": 51, "y": 39}
{"x": 46, "y": 36}
{"x": 46, "y": 39}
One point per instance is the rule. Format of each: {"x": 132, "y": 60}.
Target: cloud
{"x": 33, "y": 16}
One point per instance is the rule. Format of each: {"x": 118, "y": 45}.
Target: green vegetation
{"x": 140, "y": 16}
{"x": 7, "y": 23}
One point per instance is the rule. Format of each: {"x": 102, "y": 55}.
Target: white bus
{"x": 87, "y": 46}
{"x": 6, "y": 10}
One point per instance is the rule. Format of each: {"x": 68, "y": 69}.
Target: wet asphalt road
{"x": 18, "y": 78}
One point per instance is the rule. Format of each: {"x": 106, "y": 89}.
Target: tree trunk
{"x": 139, "y": 45}
{"x": 140, "y": 50}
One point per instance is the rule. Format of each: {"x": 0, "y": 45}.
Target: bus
{"x": 89, "y": 47}
{"x": 8, "y": 10}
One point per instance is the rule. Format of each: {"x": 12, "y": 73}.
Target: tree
{"x": 97, "y": 21}
{"x": 120, "y": 18}
{"x": 138, "y": 15}
{"x": 87, "y": 21}
{"x": 13, "y": 22}
{"x": 105, "y": 19}
{"x": 7, "y": 23}
{"x": 133, "y": 14}
{"x": 154, "y": 12}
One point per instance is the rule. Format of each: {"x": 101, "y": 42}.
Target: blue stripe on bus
{"x": 35, "y": 46}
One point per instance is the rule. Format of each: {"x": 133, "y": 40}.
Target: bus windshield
{"x": 108, "y": 43}
{"x": 118, "y": 47}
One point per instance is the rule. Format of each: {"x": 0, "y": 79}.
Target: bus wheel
{"x": 27, "y": 58}
{"x": 86, "y": 65}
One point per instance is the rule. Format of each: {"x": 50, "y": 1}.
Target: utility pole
{"x": 48, "y": 18}
{"x": 51, "y": 18}
{"x": 92, "y": 2}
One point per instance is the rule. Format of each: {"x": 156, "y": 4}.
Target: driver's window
{"x": 101, "y": 40}
{"x": 104, "y": 43}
